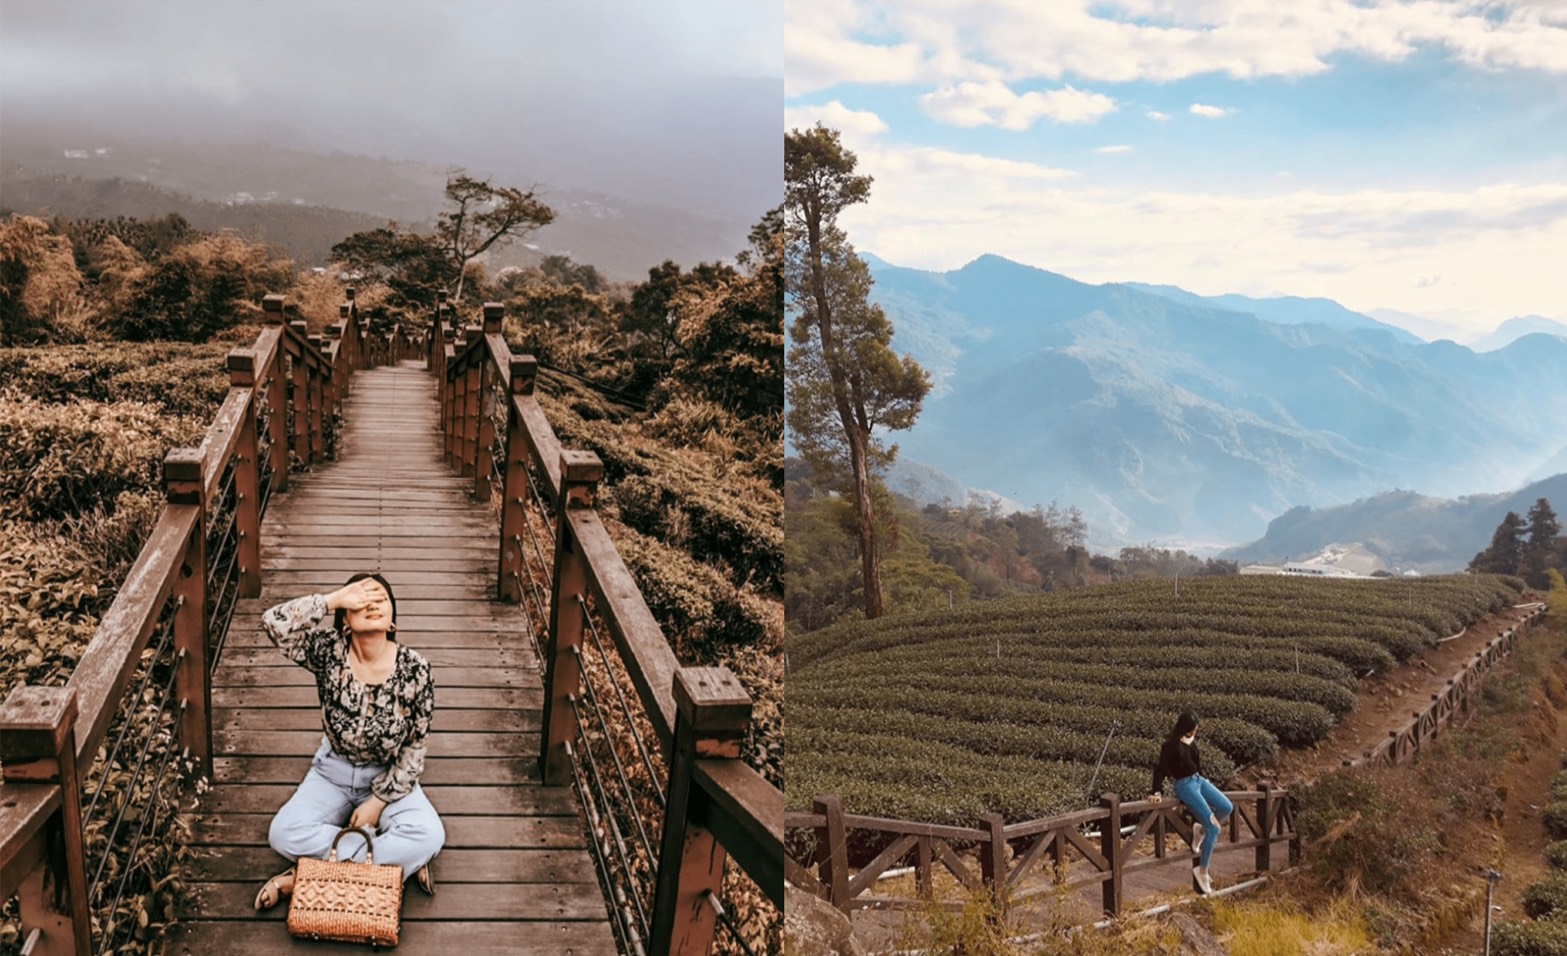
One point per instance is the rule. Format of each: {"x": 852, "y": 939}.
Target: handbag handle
{"x": 369, "y": 844}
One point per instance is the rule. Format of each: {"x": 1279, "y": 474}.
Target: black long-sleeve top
{"x": 1176, "y": 760}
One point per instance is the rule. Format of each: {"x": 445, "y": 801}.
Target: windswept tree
{"x": 483, "y": 216}
{"x": 845, "y": 383}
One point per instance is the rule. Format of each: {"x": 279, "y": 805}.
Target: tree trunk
{"x": 865, "y": 512}
{"x": 864, "y": 506}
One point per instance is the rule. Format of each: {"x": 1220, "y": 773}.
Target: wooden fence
{"x": 1456, "y": 700}
{"x": 204, "y": 553}
{"x": 705, "y": 804}
{"x": 1099, "y": 846}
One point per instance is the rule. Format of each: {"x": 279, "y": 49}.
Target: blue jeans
{"x": 1207, "y": 805}
{"x": 409, "y": 834}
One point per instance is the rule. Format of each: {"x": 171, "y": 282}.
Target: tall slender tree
{"x": 844, "y": 380}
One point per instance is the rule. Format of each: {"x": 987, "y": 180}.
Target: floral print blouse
{"x": 386, "y": 724}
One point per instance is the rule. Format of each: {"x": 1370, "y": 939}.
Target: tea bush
{"x": 59, "y": 461}
{"x": 1547, "y": 896}
{"x": 1526, "y": 938}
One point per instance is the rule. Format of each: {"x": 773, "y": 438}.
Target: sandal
{"x": 272, "y": 890}
{"x": 426, "y": 879}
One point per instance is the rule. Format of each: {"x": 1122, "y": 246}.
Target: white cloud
{"x": 947, "y": 42}
{"x": 851, "y": 122}
{"x": 1210, "y": 112}
{"x": 1118, "y": 148}
{"x": 1158, "y": 116}
{"x": 823, "y": 47}
{"x": 1492, "y": 244}
{"x": 995, "y": 104}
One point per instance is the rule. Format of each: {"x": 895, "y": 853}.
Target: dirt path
{"x": 1527, "y": 783}
{"x": 1387, "y": 702}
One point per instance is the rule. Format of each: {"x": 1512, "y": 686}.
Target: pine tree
{"x": 1506, "y": 550}
{"x": 1541, "y": 550}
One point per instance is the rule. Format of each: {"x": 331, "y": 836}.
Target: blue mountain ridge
{"x": 1176, "y": 419}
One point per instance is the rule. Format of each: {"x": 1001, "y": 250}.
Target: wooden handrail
{"x": 1262, "y": 819}
{"x": 41, "y": 805}
{"x": 716, "y": 805}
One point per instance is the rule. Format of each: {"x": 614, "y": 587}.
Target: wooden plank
{"x": 437, "y": 770}
{"x": 501, "y": 656}
{"x": 529, "y": 697}
{"x": 349, "y": 564}
{"x": 447, "y": 720}
{"x": 252, "y": 864}
{"x": 409, "y": 607}
{"x": 268, "y": 743}
{"x": 474, "y": 833}
{"x": 566, "y": 901}
{"x": 448, "y": 800}
{"x": 470, "y": 938}
{"x": 294, "y": 582}
{"x": 515, "y": 675}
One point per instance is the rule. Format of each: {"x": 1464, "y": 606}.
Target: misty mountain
{"x": 1285, "y": 310}
{"x": 1514, "y": 329}
{"x": 1407, "y": 530}
{"x": 257, "y": 188}
{"x": 1189, "y": 424}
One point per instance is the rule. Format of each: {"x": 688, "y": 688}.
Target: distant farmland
{"x": 1005, "y": 706}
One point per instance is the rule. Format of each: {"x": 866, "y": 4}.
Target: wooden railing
{"x": 204, "y": 552}
{"x": 1101, "y": 845}
{"x": 713, "y": 805}
{"x": 1456, "y": 700}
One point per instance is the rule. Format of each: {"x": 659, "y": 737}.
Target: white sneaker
{"x": 1197, "y": 878}
{"x": 1207, "y": 882}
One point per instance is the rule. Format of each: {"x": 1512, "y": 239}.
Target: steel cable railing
{"x": 122, "y": 796}
{"x": 633, "y": 919}
{"x": 728, "y": 923}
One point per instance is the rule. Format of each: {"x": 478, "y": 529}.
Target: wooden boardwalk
{"x": 516, "y": 876}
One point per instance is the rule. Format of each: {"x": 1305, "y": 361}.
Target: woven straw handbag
{"x": 344, "y": 901}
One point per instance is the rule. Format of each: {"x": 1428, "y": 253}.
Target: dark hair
{"x": 1184, "y": 724}
{"x": 341, "y": 617}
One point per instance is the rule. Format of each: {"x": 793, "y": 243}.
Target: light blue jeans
{"x": 409, "y": 834}
{"x": 1207, "y": 804}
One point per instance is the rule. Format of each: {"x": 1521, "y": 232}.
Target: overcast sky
{"x": 608, "y": 95}
{"x": 1402, "y": 154}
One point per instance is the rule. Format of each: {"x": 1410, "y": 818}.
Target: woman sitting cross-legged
{"x": 377, "y": 699}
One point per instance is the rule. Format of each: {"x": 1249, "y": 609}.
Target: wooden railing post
{"x": 301, "y": 400}
{"x": 471, "y": 380}
{"x": 580, "y": 472}
{"x": 832, "y": 849}
{"x": 356, "y": 348}
{"x": 524, "y": 370}
{"x": 247, "y": 476}
{"x": 183, "y": 485}
{"x": 277, "y": 399}
{"x": 1264, "y": 859}
{"x": 338, "y": 387}
{"x": 318, "y": 409}
{"x": 38, "y": 746}
{"x": 1110, "y": 848}
{"x": 993, "y": 861}
{"x": 484, "y": 460}
{"x": 712, "y": 711}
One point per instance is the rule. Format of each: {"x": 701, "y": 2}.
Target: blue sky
{"x": 1393, "y": 154}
